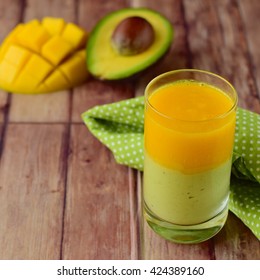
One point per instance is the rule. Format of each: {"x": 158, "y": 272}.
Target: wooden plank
{"x": 235, "y": 55}
{"x": 3, "y": 105}
{"x": 32, "y": 191}
{"x": 51, "y": 107}
{"x": 218, "y": 44}
{"x": 54, "y": 107}
{"x": 136, "y": 210}
{"x": 153, "y": 246}
{"x": 250, "y": 11}
{"x": 236, "y": 242}
{"x": 53, "y": 8}
{"x": 10, "y": 16}
{"x": 95, "y": 92}
{"x": 100, "y": 193}
{"x": 2, "y": 126}
{"x": 11, "y": 12}
{"x": 90, "y": 13}
{"x": 97, "y": 216}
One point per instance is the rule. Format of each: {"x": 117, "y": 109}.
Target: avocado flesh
{"x": 105, "y": 63}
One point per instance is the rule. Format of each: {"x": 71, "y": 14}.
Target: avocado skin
{"x": 140, "y": 64}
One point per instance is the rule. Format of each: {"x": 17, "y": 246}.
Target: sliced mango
{"x": 33, "y": 36}
{"x": 56, "y": 81}
{"x": 40, "y": 57}
{"x": 25, "y": 82}
{"x": 8, "y": 73}
{"x": 54, "y": 25}
{"x": 17, "y": 56}
{"x": 10, "y": 39}
{"x": 33, "y": 22}
{"x": 75, "y": 65}
{"x": 75, "y": 35}
{"x": 56, "y": 49}
{"x": 37, "y": 67}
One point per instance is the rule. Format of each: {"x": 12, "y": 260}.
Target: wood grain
{"x": 250, "y": 18}
{"x": 235, "y": 242}
{"x": 98, "y": 192}
{"x": 66, "y": 9}
{"x": 49, "y": 108}
{"x": 89, "y": 12}
{"x": 218, "y": 44}
{"x": 4, "y": 105}
{"x": 10, "y": 15}
{"x": 97, "y": 220}
{"x": 32, "y": 191}
{"x": 95, "y": 92}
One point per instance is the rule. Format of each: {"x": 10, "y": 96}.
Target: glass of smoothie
{"x": 189, "y": 133}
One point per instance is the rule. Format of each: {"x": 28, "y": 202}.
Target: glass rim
{"x": 218, "y": 117}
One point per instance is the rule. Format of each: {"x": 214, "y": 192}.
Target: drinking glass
{"x": 188, "y": 140}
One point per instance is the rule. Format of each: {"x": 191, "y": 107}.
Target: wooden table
{"x": 62, "y": 195}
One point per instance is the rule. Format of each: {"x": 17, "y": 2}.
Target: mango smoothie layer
{"x": 186, "y": 128}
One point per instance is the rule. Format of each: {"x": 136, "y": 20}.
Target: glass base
{"x": 186, "y": 234}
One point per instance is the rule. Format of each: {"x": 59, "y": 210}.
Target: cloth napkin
{"x": 120, "y": 127}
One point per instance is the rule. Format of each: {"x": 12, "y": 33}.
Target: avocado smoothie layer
{"x": 185, "y": 199}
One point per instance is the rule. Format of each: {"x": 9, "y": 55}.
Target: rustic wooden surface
{"x": 62, "y": 196}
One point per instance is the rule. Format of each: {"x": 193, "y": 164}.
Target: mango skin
{"x": 42, "y": 57}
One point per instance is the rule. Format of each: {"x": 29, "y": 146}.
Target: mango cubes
{"x": 41, "y": 57}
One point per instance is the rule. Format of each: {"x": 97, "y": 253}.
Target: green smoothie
{"x": 185, "y": 199}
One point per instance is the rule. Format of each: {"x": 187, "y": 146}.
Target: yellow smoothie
{"x": 188, "y": 148}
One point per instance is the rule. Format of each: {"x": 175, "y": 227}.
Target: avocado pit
{"x": 132, "y": 36}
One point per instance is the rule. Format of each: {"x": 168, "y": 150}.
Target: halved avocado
{"x": 105, "y": 62}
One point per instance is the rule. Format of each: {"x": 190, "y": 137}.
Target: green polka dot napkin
{"x": 119, "y": 126}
